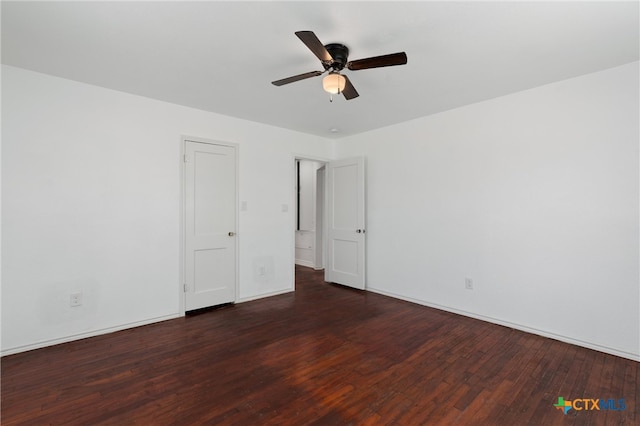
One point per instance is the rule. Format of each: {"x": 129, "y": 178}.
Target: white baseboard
{"x": 543, "y": 333}
{"x": 307, "y": 263}
{"x": 93, "y": 333}
{"x": 79, "y": 336}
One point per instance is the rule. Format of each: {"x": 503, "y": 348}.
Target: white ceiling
{"x": 221, "y": 56}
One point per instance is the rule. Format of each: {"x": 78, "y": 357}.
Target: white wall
{"x": 91, "y": 203}
{"x": 308, "y": 171}
{"x": 535, "y": 196}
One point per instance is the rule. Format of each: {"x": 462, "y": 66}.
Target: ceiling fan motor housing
{"x": 339, "y": 53}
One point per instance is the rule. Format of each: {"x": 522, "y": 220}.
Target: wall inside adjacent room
{"x": 91, "y": 202}
{"x": 533, "y": 197}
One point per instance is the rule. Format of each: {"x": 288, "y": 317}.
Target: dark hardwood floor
{"x": 324, "y": 355}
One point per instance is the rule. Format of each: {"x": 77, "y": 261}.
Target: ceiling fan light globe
{"x": 334, "y": 83}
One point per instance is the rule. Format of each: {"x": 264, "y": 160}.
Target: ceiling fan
{"x": 334, "y": 57}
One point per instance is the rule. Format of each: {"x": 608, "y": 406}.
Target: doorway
{"x": 209, "y": 223}
{"x": 309, "y": 226}
{"x": 330, "y": 231}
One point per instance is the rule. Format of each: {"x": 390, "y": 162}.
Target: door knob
{"x": 359, "y": 231}
{"x": 231, "y": 234}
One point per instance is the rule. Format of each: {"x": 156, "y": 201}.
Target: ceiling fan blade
{"x": 378, "y": 61}
{"x": 349, "y": 91}
{"x": 296, "y": 78}
{"x": 315, "y": 45}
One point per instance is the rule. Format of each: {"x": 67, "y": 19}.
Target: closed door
{"x": 210, "y": 224}
{"x": 346, "y": 223}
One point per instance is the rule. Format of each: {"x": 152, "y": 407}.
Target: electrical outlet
{"x": 468, "y": 283}
{"x": 75, "y": 299}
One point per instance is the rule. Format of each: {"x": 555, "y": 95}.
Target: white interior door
{"x": 210, "y": 225}
{"x": 346, "y": 223}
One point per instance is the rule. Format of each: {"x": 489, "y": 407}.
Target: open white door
{"x": 346, "y": 223}
{"x": 210, "y": 224}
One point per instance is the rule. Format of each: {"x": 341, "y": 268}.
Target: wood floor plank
{"x": 325, "y": 355}
{"x": 631, "y": 393}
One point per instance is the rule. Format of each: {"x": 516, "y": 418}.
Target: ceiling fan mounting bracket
{"x": 339, "y": 53}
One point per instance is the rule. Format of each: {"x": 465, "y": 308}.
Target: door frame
{"x": 324, "y": 161}
{"x": 321, "y": 191}
{"x": 182, "y": 207}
